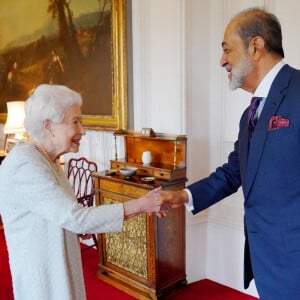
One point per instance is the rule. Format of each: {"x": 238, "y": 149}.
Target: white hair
{"x": 48, "y": 102}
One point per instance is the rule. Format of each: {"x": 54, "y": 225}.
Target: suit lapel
{"x": 256, "y": 146}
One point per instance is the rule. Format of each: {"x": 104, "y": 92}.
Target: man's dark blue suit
{"x": 268, "y": 169}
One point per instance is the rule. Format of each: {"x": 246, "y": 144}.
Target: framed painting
{"x": 10, "y": 142}
{"x": 80, "y": 44}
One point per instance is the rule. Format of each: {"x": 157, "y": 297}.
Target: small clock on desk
{"x": 148, "y": 132}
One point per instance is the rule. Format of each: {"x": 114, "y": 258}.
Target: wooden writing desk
{"x": 146, "y": 259}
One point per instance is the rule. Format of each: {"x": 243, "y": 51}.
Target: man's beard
{"x": 240, "y": 72}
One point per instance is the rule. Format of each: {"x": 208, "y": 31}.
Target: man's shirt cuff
{"x": 190, "y": 205}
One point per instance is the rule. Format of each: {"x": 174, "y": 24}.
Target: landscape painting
{"x": 80, "y": 44}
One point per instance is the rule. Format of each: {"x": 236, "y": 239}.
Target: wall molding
{"x": 154, "y": 74}
{"x": 141, "y": 63}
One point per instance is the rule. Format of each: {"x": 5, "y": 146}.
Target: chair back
{"x": 80, "y": 176}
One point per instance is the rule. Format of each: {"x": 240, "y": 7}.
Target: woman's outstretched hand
{"x": 149, "y": 203}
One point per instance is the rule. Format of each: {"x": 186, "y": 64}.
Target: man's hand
{"x": 148, "y": 203}
{"x": 174, "y": 199}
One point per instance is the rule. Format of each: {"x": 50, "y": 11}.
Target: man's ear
{"x": 256, "y": 46}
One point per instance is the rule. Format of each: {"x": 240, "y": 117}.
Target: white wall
{"x": 159, "y": 65}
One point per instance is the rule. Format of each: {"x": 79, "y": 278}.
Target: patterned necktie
{"x": 252, "y": 117}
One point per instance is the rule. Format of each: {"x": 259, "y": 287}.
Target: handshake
{"x": 156, "y": 201}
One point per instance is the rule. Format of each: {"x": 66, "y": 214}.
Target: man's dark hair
{"x": 257, "y": 22}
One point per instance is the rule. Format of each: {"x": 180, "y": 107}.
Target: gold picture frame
{"x": 119, "y": 117}
{"x": 102, "y": 109}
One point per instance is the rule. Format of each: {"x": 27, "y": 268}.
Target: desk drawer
{"x": 115, "y": 165}
{"x": 122, "y": 189}
{"x": 160, "y": 174}
{"x": 144, "y": 172}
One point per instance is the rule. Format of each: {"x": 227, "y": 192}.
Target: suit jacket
{"x": 268, "y": 169}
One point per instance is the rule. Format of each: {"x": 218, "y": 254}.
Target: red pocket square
{"x": 277, "y": 122}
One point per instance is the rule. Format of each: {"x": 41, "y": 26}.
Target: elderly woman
{"x": 40, "y": 213}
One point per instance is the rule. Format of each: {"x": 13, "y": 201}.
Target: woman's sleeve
{"x": 40, "y": 192}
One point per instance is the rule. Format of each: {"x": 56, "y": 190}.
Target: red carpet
{"x": 5, "y": 278}
{"x": 98, "y": 290}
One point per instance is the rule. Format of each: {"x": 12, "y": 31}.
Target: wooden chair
{"x": 79, "y": 175}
